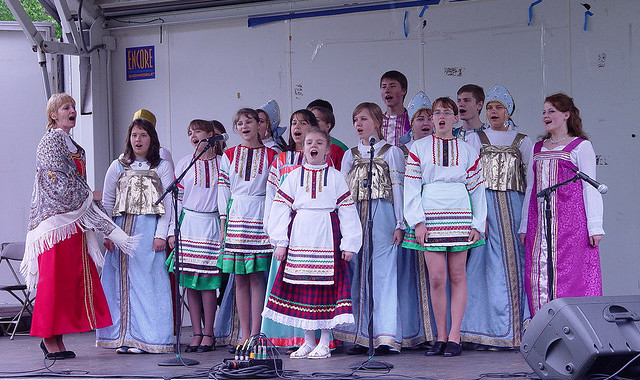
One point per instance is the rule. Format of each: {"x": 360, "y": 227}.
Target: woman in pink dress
{"x": 573, "y": 270}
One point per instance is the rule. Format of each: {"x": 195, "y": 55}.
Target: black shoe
{"x": 55, "y": 356}
{"x": 51, "y": 355}
{"x": 453, "y": 349}
{"x": 382, "y": 350}
{"x": 436, "y": 349}
{"x": 357, "y": 350}
{"x": 192, "y": 348}
{"x": 207, "y": 348}
{"x": 69, "y": 354}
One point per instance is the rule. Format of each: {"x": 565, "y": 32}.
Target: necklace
{"x": 558, "y": 141}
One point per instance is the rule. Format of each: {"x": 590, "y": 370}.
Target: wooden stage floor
{"x": 23, "y": 358}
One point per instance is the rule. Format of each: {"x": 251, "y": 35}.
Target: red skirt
{"x": 328, "y": 305}
{"x": 69, "y": 298}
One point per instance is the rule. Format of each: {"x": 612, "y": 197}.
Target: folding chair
{"x": 13, "y": 252}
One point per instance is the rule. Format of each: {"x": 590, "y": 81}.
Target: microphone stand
{"x": 370, "y": 364}
{"x": 173, "y": 189}
{"x": 546, "y": 194}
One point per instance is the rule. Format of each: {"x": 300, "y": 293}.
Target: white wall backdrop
{"x": 23, "y": 121}
{"x": 209, "y": 69}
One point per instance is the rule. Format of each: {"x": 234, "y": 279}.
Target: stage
{"x": 23, "y": 358}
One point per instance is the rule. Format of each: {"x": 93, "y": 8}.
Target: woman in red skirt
{"x": 61, "y": 248}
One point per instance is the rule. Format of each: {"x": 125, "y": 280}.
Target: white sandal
{"x": 320, "y": 352}
{"x": 302, "y": 352}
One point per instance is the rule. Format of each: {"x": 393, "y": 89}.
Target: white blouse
{"x": 199, "y": 187}
{"x": 334, "y": 196}
{"x": 235, "y": 167}
{"x": 422, "y": 170}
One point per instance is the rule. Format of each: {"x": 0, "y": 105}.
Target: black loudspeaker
{"x": 575, "y": 338}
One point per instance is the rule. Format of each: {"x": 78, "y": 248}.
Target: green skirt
{"x": 410, "y": 242}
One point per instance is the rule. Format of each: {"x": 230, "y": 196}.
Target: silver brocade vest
{"x": 137, "y": 191}
{"x": 502, "y": 166}
{"x": 381, "y": 177}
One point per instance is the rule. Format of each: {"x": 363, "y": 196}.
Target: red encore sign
{"x": 141, "y": 63}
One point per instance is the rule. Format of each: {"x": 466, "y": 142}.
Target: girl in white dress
{"x": 312, "y": 289}
{"x": 199, "y": 235}
{"x": 444, "y": 203}
{"x": 246, "y": 251}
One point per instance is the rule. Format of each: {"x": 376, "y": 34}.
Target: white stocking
{"x": 310, "y": 337}
{"x": 324, "y": 337}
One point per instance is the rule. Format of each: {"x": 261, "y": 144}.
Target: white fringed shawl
{"x": 61, "y": 203}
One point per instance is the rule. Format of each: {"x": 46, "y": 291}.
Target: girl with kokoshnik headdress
{"x": 497, "y": 305}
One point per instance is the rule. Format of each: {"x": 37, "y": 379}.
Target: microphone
{"x": 222, "y": 137}
{"x": 601, "y": 187}
{"x": 373, "y": 140}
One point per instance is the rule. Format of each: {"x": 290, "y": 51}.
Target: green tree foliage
{"x": 35, "y": 11}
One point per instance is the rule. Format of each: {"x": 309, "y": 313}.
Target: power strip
{"x": 274, "y": 364}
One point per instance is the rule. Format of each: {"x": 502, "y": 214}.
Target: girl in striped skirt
{"x": 246, "y": 250}
{"x": 315, "y": 228}
{"x": 199, "y": 235}
{"x": 446, "y": 208}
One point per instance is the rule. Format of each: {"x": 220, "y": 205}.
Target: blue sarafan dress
{"x": 496, "y": 305}
{"x": 137, "y": 287}
{"x": 386, "y": 204}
